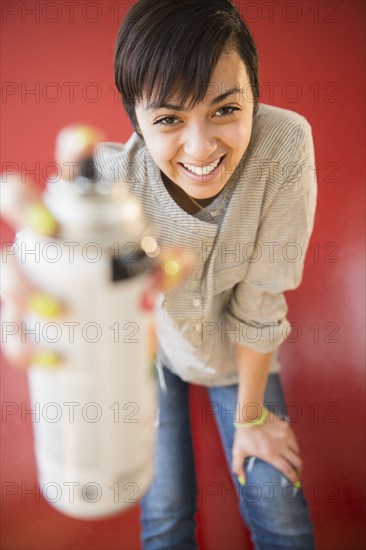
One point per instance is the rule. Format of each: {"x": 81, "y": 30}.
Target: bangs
{"x": 185, "y": 78}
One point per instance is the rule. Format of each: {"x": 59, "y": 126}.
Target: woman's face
{"x": 198, "y": 149}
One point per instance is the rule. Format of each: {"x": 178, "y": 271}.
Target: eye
{"x": 166, "y": 121}
{"x": 227, "y": 110}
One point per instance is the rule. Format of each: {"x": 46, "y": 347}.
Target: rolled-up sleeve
{"x": 256, "y": 312}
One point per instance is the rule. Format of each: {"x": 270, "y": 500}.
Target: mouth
{"x": 203, "y": 170}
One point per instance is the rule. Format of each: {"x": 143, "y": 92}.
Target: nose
{"x": 199, "y": 144}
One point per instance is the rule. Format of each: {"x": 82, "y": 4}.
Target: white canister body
{"x": 94, "y": 420}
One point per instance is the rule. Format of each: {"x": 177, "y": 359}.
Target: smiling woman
{"x": 209, "y": 164}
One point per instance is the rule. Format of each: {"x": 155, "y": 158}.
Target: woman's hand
{"x": 21, "y": 206}
{"x": 173, "y": 266}
{"x": 274, "y": 441}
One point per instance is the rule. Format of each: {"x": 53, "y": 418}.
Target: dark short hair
{"x": 167, "y": 47}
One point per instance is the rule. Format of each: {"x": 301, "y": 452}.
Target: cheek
{"x": 238, "y": 139}
{"x": 162, "y": 149}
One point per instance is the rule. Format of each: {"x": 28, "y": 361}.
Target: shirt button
{"x": 196, "y": 302}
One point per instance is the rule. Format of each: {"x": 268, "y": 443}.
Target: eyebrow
{"x": 214, "y": 101}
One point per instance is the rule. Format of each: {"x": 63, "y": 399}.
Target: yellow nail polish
{"x": 241, "y": 480}
{"x": 172, "y": 273}
{"x": 171, "y": 268}
{"x": 44, "y": 305}
{"x": 45, "y": 359}
{"x": 87, "y": 135}
{"x": 40, "y": 219}
{"x": 297, "y": 484}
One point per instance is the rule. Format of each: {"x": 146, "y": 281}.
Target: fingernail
{"x": 40, "y": 219}
{"x": 297, "y": 484}
{"x": 45, "y": 359}
{"x": 44, "y": 305}
{"x": 241, "y": 480}
{"x": 171, "y": 268}
{"x": 171, "y": 273}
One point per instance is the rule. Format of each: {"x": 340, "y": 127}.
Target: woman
{"x": 216, "y": 172}
{"x": 230, "y": 179}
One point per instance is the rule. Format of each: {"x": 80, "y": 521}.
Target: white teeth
{"x": 202, "y": 170}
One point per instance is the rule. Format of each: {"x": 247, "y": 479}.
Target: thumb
{"x": 237, "y": 465}
{"x": 173, "y": 266}
{"x": 22, "y": 206}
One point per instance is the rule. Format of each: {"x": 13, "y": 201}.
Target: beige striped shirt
{"x": 250, "y": 244}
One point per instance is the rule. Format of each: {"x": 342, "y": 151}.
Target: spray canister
{"x": 94, "y": 419}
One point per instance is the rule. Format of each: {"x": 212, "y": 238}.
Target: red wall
{"x": 311, "y": 62}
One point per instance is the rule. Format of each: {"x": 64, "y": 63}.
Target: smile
{"x": 202, "y": 170}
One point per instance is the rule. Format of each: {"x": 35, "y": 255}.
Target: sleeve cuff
{"x": 262, "y": 337}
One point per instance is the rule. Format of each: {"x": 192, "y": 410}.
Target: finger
{"x": 16, "y": 195}
{"x": 289, "y": 448}
{"x": 76, "y": 143}
{"x": 172, "y": 268}
{"x": 17, "y": 352}
{"x": 285, "y": 467}
{"x": 294, "y": 459}
{"x": 22, "y": 206}
{"x": 18, "y": 291}
{"x": 19, "y": 296}
{"x": 293, "y": 441}
{"x": 21, "y": 200}
{"x": 18, "y": 346}
{"x": 14, "y": 286}
{"x": 237, "y": 464}
{"x": 176, "y": 265}
{"x": 287, "y": 433}
{"x": 294, "y": 446}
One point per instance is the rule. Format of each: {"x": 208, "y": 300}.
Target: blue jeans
{"x": 275, "y": 512}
